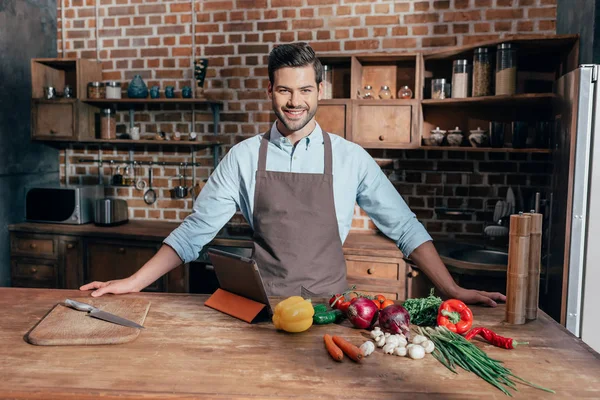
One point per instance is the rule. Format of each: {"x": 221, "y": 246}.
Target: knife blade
{"x": 102, "y": 315}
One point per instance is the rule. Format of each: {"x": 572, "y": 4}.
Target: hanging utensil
{"x": 181, "y": 191}
{"x": 150, "y": 195}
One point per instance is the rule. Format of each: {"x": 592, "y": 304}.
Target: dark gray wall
{"x": 27, "y": 30}
{"x": 582, "y": 17}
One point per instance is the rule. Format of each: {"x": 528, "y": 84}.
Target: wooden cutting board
{"x": 64, "y": 326}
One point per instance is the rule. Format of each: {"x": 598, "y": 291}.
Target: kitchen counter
{"x": 189, "y": 351}
{"x": 356, "y": 243}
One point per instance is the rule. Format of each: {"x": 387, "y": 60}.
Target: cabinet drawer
{"x": 54, "y": 119}
{"x": 33, "y": 246}
{"x": 34, "y": 273}
{"x": 382, "y": 124}
{"x": 369, "y": 269}
{"x": 334, "y": 116}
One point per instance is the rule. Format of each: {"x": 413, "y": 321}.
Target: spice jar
{"x": 385, "y": 93}
{"x": 405, "y": 93}
{"x": 96, "y": 90}
{"x": 506, "y": 69}
{"x": 482, "y": 73}
{"x": 108, "y": 124}
{"x": 113, "y": 90}
{"x": 366, "y": 93}
{"x": 439, "y": 89}
{"x": 327, "y": 82}
{"x": 460, "y": 79}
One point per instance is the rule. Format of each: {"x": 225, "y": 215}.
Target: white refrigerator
{"x": 577, "y": 148}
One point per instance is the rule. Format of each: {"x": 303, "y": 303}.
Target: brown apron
{"x": 297, "y": 242}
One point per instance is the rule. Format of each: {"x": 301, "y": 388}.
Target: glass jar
{"x": 482, "y": 73}
{"x": 506, "y": 69}
{"x": 366, "y": 93}
{"x": 327, "y": 82}
{"x": 385, "y": 93}
{"x": 405, "y": 93}
{"x": 113, "y": 90}
{"x": 96, "y": 90}
{"x": 461, "y": 74}
{"x": 108, "y": 124}
{"x": 440, "y": 89}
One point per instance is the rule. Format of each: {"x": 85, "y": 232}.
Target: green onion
{"x": 452, "y": 349}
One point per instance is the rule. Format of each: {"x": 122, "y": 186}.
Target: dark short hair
{"x": 294, "y": 55}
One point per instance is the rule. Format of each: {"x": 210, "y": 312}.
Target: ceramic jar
{"x": 435, "y": 138}
{"x": 478, "y": 138}
{"x": 137, "y": 88}
{"x": 455, "y": 137}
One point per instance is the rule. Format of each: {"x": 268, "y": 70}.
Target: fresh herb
{"x": 452, "y": 349}
{"x": 423, "y": 311}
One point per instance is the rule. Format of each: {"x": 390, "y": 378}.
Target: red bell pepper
{"x": 455, "y": 315}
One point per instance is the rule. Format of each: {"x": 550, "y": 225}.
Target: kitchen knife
{"x": 103, "y": 315}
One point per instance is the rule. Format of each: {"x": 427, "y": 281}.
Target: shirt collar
{"x": 316, "y": 136}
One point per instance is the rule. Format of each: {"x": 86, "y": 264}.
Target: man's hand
{"x": 478, "y": 297}
{"x": 120, "y": 286}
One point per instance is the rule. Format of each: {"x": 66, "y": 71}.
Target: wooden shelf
{"x": 504, "y": 100}
{"x": 485, "y": 149}
{"x": 61, "y": 143}
{"x": 117, "y": 102}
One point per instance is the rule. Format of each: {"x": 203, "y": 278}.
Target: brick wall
{"x": 154, "y": 38}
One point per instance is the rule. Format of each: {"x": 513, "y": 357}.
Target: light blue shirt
{"x": 356, "y": 179}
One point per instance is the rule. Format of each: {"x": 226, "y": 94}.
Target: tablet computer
{"x": 239, "y": 275}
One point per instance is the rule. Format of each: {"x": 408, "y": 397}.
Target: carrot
{"x": 351, "y": 350}
{"x": 334, "y": 351}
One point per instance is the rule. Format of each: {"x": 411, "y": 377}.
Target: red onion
{"x": 395, "y": 319}
{"x": 363, "y": 313}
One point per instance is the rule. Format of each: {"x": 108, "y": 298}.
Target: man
{"x": 297, "y": 187}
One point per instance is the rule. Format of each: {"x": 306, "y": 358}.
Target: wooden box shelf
{"x": 58, "y": 72}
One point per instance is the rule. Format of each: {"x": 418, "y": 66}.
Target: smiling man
{"x": 297, "y": 186}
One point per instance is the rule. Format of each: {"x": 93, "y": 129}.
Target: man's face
{"x": 295, "y": 95}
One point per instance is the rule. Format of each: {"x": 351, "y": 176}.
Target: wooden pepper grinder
{"x": 535, "y": 260}
{"x": 518, "y": 260}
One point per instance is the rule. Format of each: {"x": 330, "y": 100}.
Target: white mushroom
{"x": 375, "y": 333}
{"x": 393, "y": 339}
{"x": 389, "y": 348}
{"x": 428, "y": 346}
{"x": 387, "y": 334}
{"x": 380, "y": 341}
{"x": 400, "y": 351}
{"x": 367, "y": 348}
{"x": 418, "y": 339}
{"x": 416, "y": 352}
{"x": 402, "y": 342}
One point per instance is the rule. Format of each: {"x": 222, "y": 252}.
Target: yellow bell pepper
{"x": 293, "y": 314}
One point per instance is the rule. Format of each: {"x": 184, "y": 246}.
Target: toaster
{"x": 110, "y": 212}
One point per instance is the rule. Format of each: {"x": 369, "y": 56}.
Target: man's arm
{"x": 379, "y": 199}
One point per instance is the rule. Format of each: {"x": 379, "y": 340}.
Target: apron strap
{"x": 264, "y": 146}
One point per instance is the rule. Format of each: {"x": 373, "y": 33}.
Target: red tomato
{"x": 352, "y": 300}
{"x": 333, "y": 303}
{"x": 381, "y": 298}
{"x": 343, "y": 306}
{"x": 387, "y": 303}
{"x": 377, "y": 303}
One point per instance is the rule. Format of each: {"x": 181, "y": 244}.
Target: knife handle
{"x": 78, "y": 306}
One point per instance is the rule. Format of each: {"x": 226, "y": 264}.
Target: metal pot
{"x": 181, "y": 191}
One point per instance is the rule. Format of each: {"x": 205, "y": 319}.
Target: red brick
{"x": 407, "y": 43}
{"x": 137, "y": 21}
{"x": 402, "y": 7}
{"x": 250, "y": 4}
{"x": 344, "y": 10}
{"x": 218, "y": 50}
{"x": 287, "y": 36}
{"x": 336, "y": 22}
{"x": 421, "y": 18}
{"x": 171, "y": 30}
{"x": 124, "y": 21}
{"x": 185, "y": 39}
{"x": 399, "y": 31}
{"x": 483, "y": 3}
{"x": 460, "y": 28}
{"x": 459, "y": 4}
{"x": 286, "y": 3}
{"x": 171, "y": 19}
{"x": 380, "y": 32}
{"x": 473, "y": 15}
{"x": 441, "y": 5}
{"x": 325, "y": 11}
{"x": 251, "y": 37}
{"x": 504, "y": 14}
{"x": 180, "y": 7}
{"x": 362, "y": 10}
{"x": 503, "y": 26}
{"x": 129, "y": 53}
{"x": 323, "y": 35}
{"x": 77, "y": 34}
{"x": 108, "y": 22}
{"x": 121, "y": 11}
{"x": 253, "y": 49}
{"x": 421, "y": 6}
{"x": 361, "y": 45}
{"x": 482, "y": 27}
{"x": 307, "y": 24}
{"x": 152, "y": 9}
{"x": 322, "y": 47}
{"x": 124, "y": 42}
{"x": 438, "y": 41}
{"x": 237, "y": 27}
{"x": 382, "y": 8}
{"x": 272, "y": 26}
{"x": 168, "y": 63}
{"x": 547, "y": 25}
{"x": 479, "y": 38}
{"x": 207, "y": 28}
{"x": 305, "y": 36}
{"x": 138, "y": 32}
{"x": 505, "y": 3}
{"x": 220, "y": 17}
{"x": 289, "y": 13}
{"x": 108, "y": 43}
{"x": 546, "y": 12}
{"x": 153, "y": 41}
{"x": 420, "y": 30}
{"x": 360, "y": 33}
{"x": 137, "y": 64}
{"x": 86, "y": 12}
{"x": 307, "y": 13}
{"x": 269, "y": 37}
{"x": 157, "y": 52}
{"x": 254, "y": 15}
{"x": 382, "y": 20}
{"x": 523, "y": 3}
{"x": 548, "y": 2}
{"x": 440, "y": 29}
{"x": 216, "y": 5}
{"x": 313, "y": 3}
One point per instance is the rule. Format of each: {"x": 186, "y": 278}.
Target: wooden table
{"x": 191, "y": 351}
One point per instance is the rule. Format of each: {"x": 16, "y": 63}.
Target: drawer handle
{"x": 382, "y": 138}
{"x": 70, "y": 246}
{"x": 371, "y": 271}
{"x": 33, "y": 246}
{"x": 52, "y": 131}
{"x": 413, "y": 274}
{"x": 33, "y": 270}
{"x": 122, "y": 250}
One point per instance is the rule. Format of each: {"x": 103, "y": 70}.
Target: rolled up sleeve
{"x": 214, "y": 207}
{"x": 381, "y": 201}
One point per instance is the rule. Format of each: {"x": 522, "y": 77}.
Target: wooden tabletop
{"x": 190, "y": 351}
